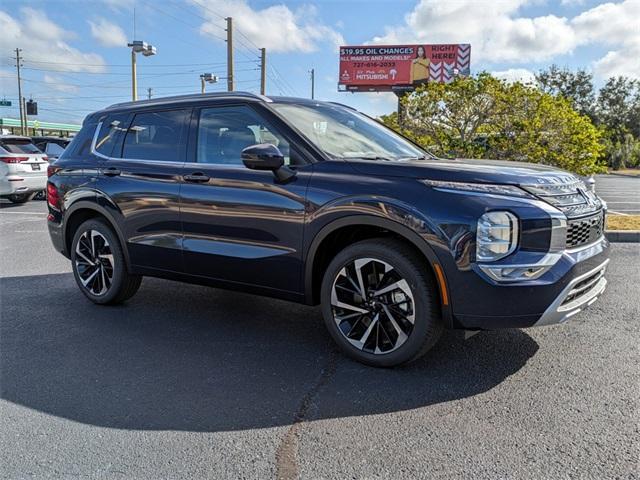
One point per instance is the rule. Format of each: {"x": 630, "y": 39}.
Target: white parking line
{"x": 619, "y": 213}
{"x": 23, "y": 213}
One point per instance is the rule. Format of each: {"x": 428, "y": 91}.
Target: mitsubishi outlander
{"x": 314, "y": 202}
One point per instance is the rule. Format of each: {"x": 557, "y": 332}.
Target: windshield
{"x": 343, "y": 133}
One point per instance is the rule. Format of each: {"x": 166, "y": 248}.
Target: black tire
{"x": 101, "y": 289}
{"x": 421, "y": 302}
{"x": 20, "y": 197}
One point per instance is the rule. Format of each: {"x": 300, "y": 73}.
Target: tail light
{"x": 53, "y": 196}
{"x": 52, "y": 170}
{"x": 14, "y": 159}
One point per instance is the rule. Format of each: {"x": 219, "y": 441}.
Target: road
{"x": 622, "y": 193}
{"x": 187, "y": 382}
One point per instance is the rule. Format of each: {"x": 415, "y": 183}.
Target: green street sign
{"x": 5, "y": 103}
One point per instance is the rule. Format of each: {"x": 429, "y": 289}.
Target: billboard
{"x": 390, "y": 67}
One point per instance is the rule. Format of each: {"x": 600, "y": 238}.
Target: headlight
{"x": 488, "y": 188}
{"x": 497, "y": 236}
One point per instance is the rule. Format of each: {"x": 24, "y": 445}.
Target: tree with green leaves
{"x": 577, "y": 87}
{"x": 483, "y": 117}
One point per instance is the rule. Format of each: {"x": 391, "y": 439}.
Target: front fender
{"x": 389, "y": 214}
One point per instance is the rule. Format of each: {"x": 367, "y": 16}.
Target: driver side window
{"x": 223, "y": 132}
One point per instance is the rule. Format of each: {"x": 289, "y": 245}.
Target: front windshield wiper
{"x": 369, "y": 157}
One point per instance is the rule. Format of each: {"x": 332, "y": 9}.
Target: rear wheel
{"x": 380, "y": 304}
{"x": 99, "y": 266}
{"x": 20, "y": 197}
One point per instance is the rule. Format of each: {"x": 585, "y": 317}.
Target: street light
{"x": 207, "y": 78}
{"x": 138, "y": 46}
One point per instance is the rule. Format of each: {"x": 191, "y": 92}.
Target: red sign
{"x": 386, "y": 67}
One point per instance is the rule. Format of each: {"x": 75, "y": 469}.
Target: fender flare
{"x": 102, "y": 211}
{"x": 405, "y": 232}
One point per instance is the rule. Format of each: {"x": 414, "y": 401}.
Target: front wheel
{"x": 99, "y": 265}
{"x": 380, "y": 304}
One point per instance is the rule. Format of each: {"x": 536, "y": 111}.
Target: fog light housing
{"x": 496, "y": 236}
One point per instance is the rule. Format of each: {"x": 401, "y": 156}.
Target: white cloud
{"x": 620, "y": 62}
{"x": 516, "y": 75}
{"x": 495, "y": 31}
{"x": 41, "y": 40}
{"x": 616, "y": 25}
{"x": 118, "y": 5}
{"x": 276, "y": 28}
{"x": 498, "y": 33}
{"x": 107, "y": 33}
{"x": 59, "y": 84}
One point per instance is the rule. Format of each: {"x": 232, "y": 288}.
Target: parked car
{"x": 51, "y": 146}
{"x": 24, "y": 171}
{"x": 317, "y": 203}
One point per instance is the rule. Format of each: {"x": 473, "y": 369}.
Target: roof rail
{"x": 191, "y": 96}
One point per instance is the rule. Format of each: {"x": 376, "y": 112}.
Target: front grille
{"x": 583, "y": 287}
{"x": 570, "y": 196}
{"x": 583, "y": 231}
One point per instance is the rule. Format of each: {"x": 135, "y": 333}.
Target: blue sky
{"x": 76, "y": 60}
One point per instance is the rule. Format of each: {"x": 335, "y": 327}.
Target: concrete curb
{"x": 623, "y": 236}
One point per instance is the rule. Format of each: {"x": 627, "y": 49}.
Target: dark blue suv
{"x": 317, "y": 203}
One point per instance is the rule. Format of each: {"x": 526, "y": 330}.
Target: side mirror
{"x": 265, "y": 156}
{"x": 262, "y": 156}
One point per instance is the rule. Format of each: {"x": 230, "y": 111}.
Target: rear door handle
{"x": 197, "y": 177}
{"x": 111, "y": 172}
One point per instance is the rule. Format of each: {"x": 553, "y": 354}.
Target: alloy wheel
{"x": 94, "y": 262}
{"x": 372, "y": 306}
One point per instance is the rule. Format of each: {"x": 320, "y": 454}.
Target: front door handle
{"x": 111, "y": 172}
{"x": 197, "y": 177}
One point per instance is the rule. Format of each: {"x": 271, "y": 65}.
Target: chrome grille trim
{"x": 572, "y": 198}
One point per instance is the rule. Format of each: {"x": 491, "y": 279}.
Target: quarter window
{"x": 110, "y": 132}
{"x": 157, "y": 136}
{"x": 223, "y": 133}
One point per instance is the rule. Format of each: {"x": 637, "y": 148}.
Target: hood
{"x": 559, "y": 188}
{"x": 467, "y": 170}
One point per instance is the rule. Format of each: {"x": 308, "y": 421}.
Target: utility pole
{"x": 134, "y": 77}
{"x": 149, "y": 90}
{"x": 263, "y": 71}
{"x": 22, "y": 114}
{"x": 313, "y": 83}
{"x": 230, "y": 78}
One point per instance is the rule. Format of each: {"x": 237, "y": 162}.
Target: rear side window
{"x": 157, "y": 136}
{"x": 109, "y": 135}
{"x": 19, "y": 146}
{"x": 53, "y": 149}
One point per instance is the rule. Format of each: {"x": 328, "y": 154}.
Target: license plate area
{"x": 35, "y": 167}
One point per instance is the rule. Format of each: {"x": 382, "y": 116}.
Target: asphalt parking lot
{"x": 622, "y": 193}
{"x": 186, "y": 382}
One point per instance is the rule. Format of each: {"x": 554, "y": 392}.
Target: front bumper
{"x": 581, "y": 292}
{"x": 573, "y": 283}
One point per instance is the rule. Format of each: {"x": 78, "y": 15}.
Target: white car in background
{"x": 23, "y": 169}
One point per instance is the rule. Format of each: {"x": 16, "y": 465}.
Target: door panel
{"x": 145, "y": 186}
{"x": 241, "y": 225}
